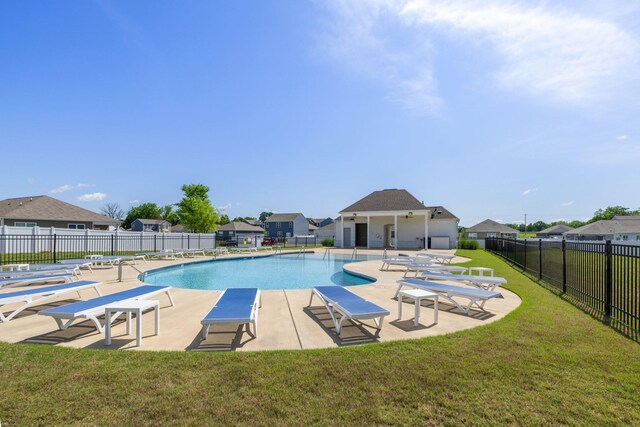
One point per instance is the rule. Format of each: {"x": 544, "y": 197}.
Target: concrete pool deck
{"x": 285, "y": 321}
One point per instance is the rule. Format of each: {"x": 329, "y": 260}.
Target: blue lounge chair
{"x": 30, "y": 296}
{"x": 476, "y": 297}
{"x": 235, "y": 306}
{"x": 61, "y": 269}
{"x": 29, "y": 280}
{"x": 348, "y": 305}
{"x": 66, "y": 315}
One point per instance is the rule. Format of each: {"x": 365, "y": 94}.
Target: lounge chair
{"x": 437, "y": 257}
{"x": 194, "y": 252}
{"x": 488, "y": 283}
{"x": 476, "y": 297}
{"x": 104, "y": 259}
{"x": 91, "y": 309}
{"x": 42, "y": 272}
{"x": 235, "y": 306}
{"x": 81, "y": 263}
{"x": 417, "y": 268}
{"x": 30, "y": 280}
{"x": 405, "y": 261}
{"x": 29, "y": 296}
{"x": 338, "y": 299}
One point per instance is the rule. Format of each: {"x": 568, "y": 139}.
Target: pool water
{"x": 273, "y": 272}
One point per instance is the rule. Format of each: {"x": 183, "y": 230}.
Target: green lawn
{"x": 547, "y": 363}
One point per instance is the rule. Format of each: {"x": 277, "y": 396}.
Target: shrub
{"x": 468, "y": 244}
{"x": 327, "y": 242}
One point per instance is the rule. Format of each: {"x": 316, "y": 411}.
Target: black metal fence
{"x": 601, "y": 276}
{"x": 42, "y": 249}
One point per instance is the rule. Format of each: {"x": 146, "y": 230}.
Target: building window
{"x": 290, "y": 225}
{"x": 279, "y": 233}
{"x": 75, "y": 226}
{"x": 279, "y": 225}
{"x": 625, "y": 237}
{"x": 472, "y": 235}
{"x": 492, "y": 234}
{"x": 25, "y": 224}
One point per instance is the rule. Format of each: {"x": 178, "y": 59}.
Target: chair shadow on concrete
{"x": 223, "y": 338}
{"x": 353, "y": 332}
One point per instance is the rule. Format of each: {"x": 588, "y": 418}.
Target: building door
{"x": 346, "y": 236}
{"x": 389, "y": 236}
{"x": 361, "y": 235}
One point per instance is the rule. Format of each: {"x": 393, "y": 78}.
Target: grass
{"x": 546, "y": 363}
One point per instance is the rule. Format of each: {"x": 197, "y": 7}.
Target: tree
{"x": 611, "y": 211}
{"x": 195, "y": 210}
{"x": 112, "y": 210}
{"x": 264, "y": 215}
{"x": 224, "y": 219}
{"x": 168, "y": 214}
{"x": 145, "y": 210}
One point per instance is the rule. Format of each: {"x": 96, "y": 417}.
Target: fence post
{"x": 55, "y": 248}
{"x": 540, "y": 259}
{"x": 524, "y": 267}
{"x": 515, "y": 251}
{"x": 608, "y": 280}
{"x": 188, "y": 241}
{"x": 112, "y": 245}
{"x": 564, "y": 266}
{"x": 155, "y": 243}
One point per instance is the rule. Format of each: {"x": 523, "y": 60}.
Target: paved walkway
{"x": 285, "y": 321}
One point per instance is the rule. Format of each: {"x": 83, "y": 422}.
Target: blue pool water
{"x": 273, "y": 272}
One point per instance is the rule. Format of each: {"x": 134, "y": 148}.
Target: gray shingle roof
{"x": 490, "y": 226}
{"x": 440, "y": 212}
{"x": 240, "y": 226}
{"x": 620, "y": 225}
{"x": 48, "y": 208}
{"x": 283, "y": 217}
{"x": 556, "y": 229}
{"x": 147, "y": 221}
{"x": 386, "y": 200}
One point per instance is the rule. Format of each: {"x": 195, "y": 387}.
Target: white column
{"x": 368, "y": 230}
{"x": 341, "y": 231}
{"x": 395, "y": 231}
{"x": 426, "y": 230}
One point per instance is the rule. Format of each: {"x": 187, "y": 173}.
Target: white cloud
{"x": 568, "y": 203}
{"x": 92, "y": 197}
{"x": 134, "y": 202}
{"x": 621, "y": 138}
{"x": 544, "y": 50}
{"x": 225, "y": 207}
{"x": 525, "y": 192}
{"x": 68, "y": 187}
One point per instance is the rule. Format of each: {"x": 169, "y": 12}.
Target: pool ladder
{"x": 142, "y": 274}
{"x": 354, "y": 254}
{"x": 327, "y": 253}
{"x": 303, "y": 252}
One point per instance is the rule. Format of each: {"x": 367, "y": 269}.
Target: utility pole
{"x": 525, "y": 223}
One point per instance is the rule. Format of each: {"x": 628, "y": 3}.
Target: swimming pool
{"x": 271, "y": 272}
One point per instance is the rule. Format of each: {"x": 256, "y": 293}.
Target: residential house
{"x": 254, "y": 222}
{"x": 554, "y": 232}
{"x": 286, "y": 225}
{"x": 320, "y": 222}
{"x": 239, "y": 229}
{"x": 620, "y": 228}
{"x": 151, "y": 225}
{"x": 489, "y": 228}
{"x": 45, "y": 211}
{"x": 326, "y": 232}
{"x": 312, "y": 229}
{"x": 394, "y": 218}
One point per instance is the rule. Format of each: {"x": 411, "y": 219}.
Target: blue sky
{"x": 492, "y": 109}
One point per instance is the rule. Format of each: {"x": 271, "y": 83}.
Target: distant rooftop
{"x": 386, "y": 200}
{"x": 48, "y": 208}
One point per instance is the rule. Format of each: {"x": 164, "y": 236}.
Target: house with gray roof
{"x": 286, "y": 225}
{"x": 620, "y": 228}
{"x": 489, "y": 228}
{"x": 237, "y": 229}
{"x": 151, "y": 225}
{"x": 394, "y": 218}
{"x": 45, "y": 211}
{"x": 554, "y": 232}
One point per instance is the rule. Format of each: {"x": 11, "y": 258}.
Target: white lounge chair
{"x": 488, "y": 283}
{"x": 56, "y": 269}
{"x": 236, "y": 306}
{"x": 81, "y": 263}
{"x": 30, "y": 280}
{"x": 194, "y": 252}
{"x": 37, "y": 296}
{"x": 104, "y": 259}
{"x": 404, "y": 262}
{"x": 477, "y": 297}
{"x": 435, "y": 268}
{"x": 437, "y": 257}
{"x": 91, "y": 309}
{"x": 338, "y": 299}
